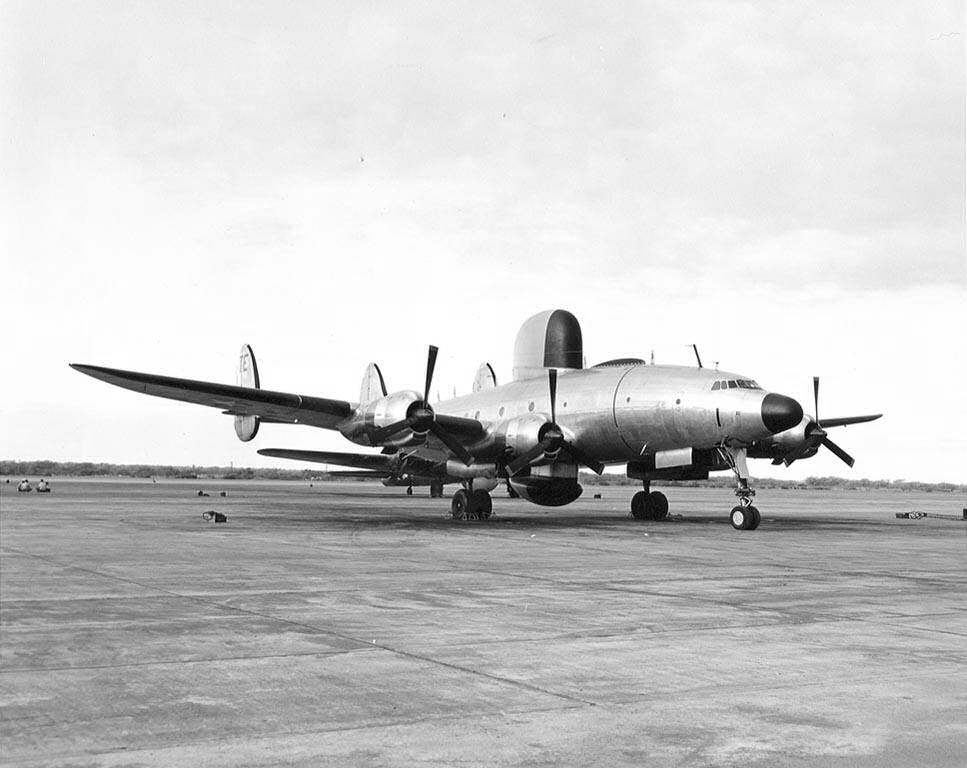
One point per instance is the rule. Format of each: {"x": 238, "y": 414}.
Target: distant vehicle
{"x": 25, "y": 486}
{"x": 662, "y": 422}
{"x": 43, "y": 487}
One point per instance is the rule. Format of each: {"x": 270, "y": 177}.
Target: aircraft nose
{"x": 780, "y": 413}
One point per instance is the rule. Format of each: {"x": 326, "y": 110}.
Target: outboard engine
{"x": 549, "y": 339}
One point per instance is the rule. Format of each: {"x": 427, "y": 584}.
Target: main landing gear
{"x": 744, "y": 516}
{"x": 649, "y": 505}
{"x": 468, "y": 504}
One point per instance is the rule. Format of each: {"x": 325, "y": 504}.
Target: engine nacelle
{"x": 392, "y": 408}
{"x": 383, "y": 412}
{"x": 782, "y": 443}
{"x": 517, "y": 436}
{"x": 547, "y": 491}
{"x": 520, "y": 434}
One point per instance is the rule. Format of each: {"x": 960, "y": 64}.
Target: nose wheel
{"x": 745, "y": 518}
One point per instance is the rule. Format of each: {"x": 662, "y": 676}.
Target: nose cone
{"x": 780, "y": 413}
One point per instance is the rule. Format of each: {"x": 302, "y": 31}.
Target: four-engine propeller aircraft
{"x": 663, "y": 422}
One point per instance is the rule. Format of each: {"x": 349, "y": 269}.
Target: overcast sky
{"x": 334, "y": 183}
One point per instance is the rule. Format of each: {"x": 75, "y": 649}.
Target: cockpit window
{"x": 716, "y": 385}
{"x": 733, "y": 384}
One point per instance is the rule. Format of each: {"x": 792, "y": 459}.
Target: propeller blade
{"x": 595, "y": 466}
{"x": 816, "y": 398}
{"x": 452, "y": 443}
{"x": 552, "y": 386}
{"x": 843, "y": 455}
{"x": 797, "y": 453}
{"x": 526, "y": 458}
{"x": 430, "y": 365}
{"x": 384, "y": 433}
{"x": 813, "y": 439}
{"x": 845, "y": 421}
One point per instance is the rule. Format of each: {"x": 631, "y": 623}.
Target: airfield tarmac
{"x": 349, "y": 624}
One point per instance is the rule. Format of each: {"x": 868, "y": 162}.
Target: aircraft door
{"x": 640, "y": 414}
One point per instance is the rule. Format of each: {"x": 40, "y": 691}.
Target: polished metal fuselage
{"x": 616, "y": 413}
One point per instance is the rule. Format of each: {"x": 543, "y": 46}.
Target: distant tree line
{"x": 45, "y": 468}
{"x": 810, "y": 483}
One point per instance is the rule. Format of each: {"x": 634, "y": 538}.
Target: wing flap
{"x": 275, "y": 407}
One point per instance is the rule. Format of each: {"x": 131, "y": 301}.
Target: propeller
{"x": 420, "y": 418}
{"x": 551, "y": 439}
{"x": 816, "y": 436}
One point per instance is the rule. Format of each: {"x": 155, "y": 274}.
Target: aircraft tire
{"x": 756, "y": 518}
{"x": 657, "y": 505}
{"x": 639, "y": 506}
{"x": 460, "y": 505}
{"x": 483, "y": 505}
{"x": 744, "y": 518}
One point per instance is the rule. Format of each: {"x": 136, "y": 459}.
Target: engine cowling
{"x": 782, "y": 443}
{"x": 384, "y": 412}
{"x": 392, "y": 408}
{"x": 518, "y": 436}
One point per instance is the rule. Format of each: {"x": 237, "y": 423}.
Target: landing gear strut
{"x": 649, "y": 505}
{"x": 468, "y": 504}
{"x": 744, "y": 516}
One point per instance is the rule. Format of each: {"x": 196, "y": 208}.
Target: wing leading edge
{"x": 270, "y": 406}
{"x": 371, "y": 461}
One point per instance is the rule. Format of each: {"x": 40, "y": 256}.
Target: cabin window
{"x": 501, "y": 411}
{"x": 477, "y": 415}
{"x": 733, "y": 384}
{"x": 716, "y": 385}
{"x": 530, "y": 406}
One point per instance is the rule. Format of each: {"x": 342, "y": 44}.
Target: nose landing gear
{"x": 744, "y": 516}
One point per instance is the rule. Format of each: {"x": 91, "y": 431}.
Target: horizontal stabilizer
{"x": 845, "y": 421}
{"x": 276, "y": 407}
{"x": 371, "y": 461}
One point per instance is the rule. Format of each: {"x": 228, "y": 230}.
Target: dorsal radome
{"x": 549, "y": 339}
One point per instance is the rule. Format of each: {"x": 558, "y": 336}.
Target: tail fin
{"x": 373, "y": 386}
{"x": 247, "y": 427}
{"x": 486, "y": 378}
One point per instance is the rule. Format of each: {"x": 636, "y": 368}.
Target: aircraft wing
{"x": 371, "y": 461}
{"x": 271, "y": 407}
